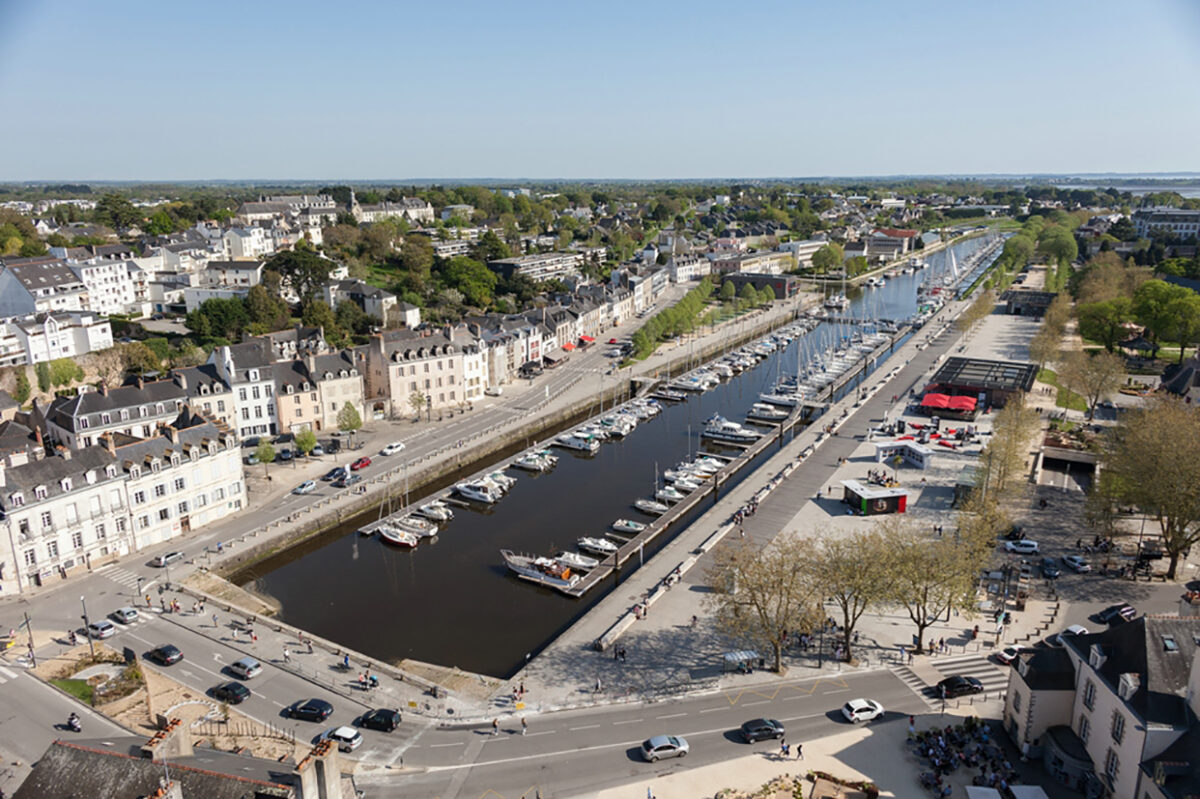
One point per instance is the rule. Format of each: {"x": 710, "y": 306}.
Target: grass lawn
{"x": 380, "y": 277}
{"x": 76, "y": 688}
{"x": 1065, "y": 398}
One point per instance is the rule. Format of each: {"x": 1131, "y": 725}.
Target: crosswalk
{"x": 120, "y": 576}
{"x": 7, "y": 674}
{"x": 993, "y": 677}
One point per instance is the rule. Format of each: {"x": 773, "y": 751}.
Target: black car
{"x": 333, "y": 445}
{"x": 311, "y": 710}
{"x": 959, "y": 686}
{"x": 232, "y": 692}
{"x": 1015, "y": 533}
{"x": 284, "y": 455}
{"x": 336, "y": 473}
{"x": 347, "y": 481}
{"x": 761, "y": 729}
{"x": 166, "y": 654}
{"x": 1050, "y": 568}
{"x": 1117, "y": 614}
{"x": 383, "y": 719}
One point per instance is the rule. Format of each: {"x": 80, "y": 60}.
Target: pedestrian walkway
{"x": 975, "y": 665}
{"x": 120, "y": 576}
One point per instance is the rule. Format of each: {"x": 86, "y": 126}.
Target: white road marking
{"x": 671, "y": 716}
{"x": 712, "y": 709}
{"x": 835, "y": 691}
{"x": 438, "y": 746}
{"x": 9, "y": 673}
{"x": 584, "y": 727}
{"x": 638, "y": 721}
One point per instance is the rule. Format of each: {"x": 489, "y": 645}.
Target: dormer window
{"x": 305, "y": 386}
{"x": 158, "y": 408}
{"x": 1128, "y": 685}
{"x": 110, "y": 470}
{"x": 124, "y": 414}
{"x": 16, "y": 499}
{"x": 1096, "y": 656}
{"x": 329, "y": 375}
{"x": 217, "y": 388}
{"x": 90, "y": 476}
{"x": 155, "y": 466}
{"x": 83, "y": 422}
{"x": 203, "y": 389}
{"x": 174, "y": 460}
{"x": 354, "y": 373}
{"x": 254, "y": 374}
{"x": 135, "y": 472}
{"x": 40, "y": 492}
{"x": 143, "y": 411}
{"x": 105, "y": 418}
{"x": 291, "y": 389}
{"x": 194, "y": 453}
{"x": 65, "y": 483}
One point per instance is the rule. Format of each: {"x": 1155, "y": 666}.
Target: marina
{"x": 590, "y": 492}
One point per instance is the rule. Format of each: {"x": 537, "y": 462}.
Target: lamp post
{"x": 86, "y": 628}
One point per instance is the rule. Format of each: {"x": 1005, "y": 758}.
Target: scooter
{"x": 73, "y": 723}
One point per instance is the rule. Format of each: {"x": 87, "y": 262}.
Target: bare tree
{"x": 931, "y": 577}
{"x": 1013, "y": 433}
{"x": 109, "y": 365}
{"x": 761, "y": 595}
{"x": 855, "y": 573}
{"x": 1044, "y": 346}
{"x": 1153, "y": 456}
{"x": 1093, "y": 376}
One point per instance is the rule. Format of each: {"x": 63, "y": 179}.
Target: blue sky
{"x": 392, "y": 90}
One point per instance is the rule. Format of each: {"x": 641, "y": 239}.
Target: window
{"x": 105, "y": 418}
{"x": 201, "y": 500}
{"x": 179, "y": 483}
{"x": 257, "y": 411}
{"x": 46, "y": 521}
{"x": 40, "y": 492}
{"x": 77, "y": 539}
{"x": 242, "y": 394}
{"x": 1118, "y": 726}
{"x": 245, "y": 413}
{"x": 83, "y": 423}
{"x": 1089, "y": 695}
{"x": 114, "y": 498}
{"x": 1016, "y": 701}
{"x": 164, "y": 514}
{"x": 220, "y": 406}
{"x": 110, "y": 470}
{"x": 143, "y": 522}
{"x": 1169, "y": 644}
{"x": 254, "y": 376}
{"x": 219, "y": 494}
{"x": 182, "y": 507}
{"x": 17, "y": 499}
{"x": 255, "y": 392}
{"x": 23, "y": 527}
{"x": 30, "y": 557}
{"x": 72, "y": 513}
{"x": 52, "y": 549}
{"x": 143, "y": 411}
{"x": 1085, "y": 728}
{"x": 155, "y": 465}
{"x": 139, "y": 497}
{"x": 160, "y": 490}
{"x": 120, "y": 525}
{"x": 101, "y": 533}
{"x": 174, "y": 460}
{"x": 124, "y": 414}
{"x": 236, "y": 488}
{"x": 158, "y": 408}
{"x": 1111, "y": 765}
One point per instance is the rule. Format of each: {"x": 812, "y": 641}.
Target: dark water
{"x": 451, "y": 601}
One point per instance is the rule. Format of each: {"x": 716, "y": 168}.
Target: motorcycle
{"x": 73, "y": 723}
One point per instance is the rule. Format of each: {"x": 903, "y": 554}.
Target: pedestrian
{"x": 233, "y": 633}
{"x": 253, "y": 637}
{"x": 495, "y": 726}
{"x": 597, "y": 685}
{"x": 287, "y": 656}
{"x": 147, "y": 600}
{"x": 522, "y": 689}
{"x": 783, "y": 747}
{"x": 524, "y": 726}
{"x": 214, "y": 621}
{"x": 309, "y": 642}
{"x": 799, "y": 751}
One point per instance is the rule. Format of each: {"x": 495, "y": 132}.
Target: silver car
{"x": 245, "y": 668}
{"x": 664, "y": 746}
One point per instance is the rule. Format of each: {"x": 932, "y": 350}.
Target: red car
{"x": 361, "y": 463}
{"x": 612, "y": 341}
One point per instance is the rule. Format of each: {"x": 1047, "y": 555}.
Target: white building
{"x": 243, "y": 274}
{"x": 109, "y": 284}
{"x": 689, "y": 267}
{"x": 540, "y": 266}
{"x": 39, "y": 285}
{"x": 1172, "y": 221}
{"x": 802, "y": 251}
{"x": 136, "y": 409}
{"x": 412, "y": 209}
{"x": 45, "y": 337}
{"x": 248, "y": 242}
{"x": 246, "y": 369}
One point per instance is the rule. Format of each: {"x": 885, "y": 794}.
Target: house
{"x": 507, "y": 344}
{"x": 540, "y": 266}
{"x": 462, "y": 211}
{"x": 246, "y": 369}
{"x": 897, "y": 240}
{"x": 237, "y": 274}
{"x": 39, "y": 285}
{"x": 48, "y": 336}
{"x": 194, "y": 297}
{"x": 1117, "y": 712}
{"x": 339, "y": 378}
{"x": 248, "y": 242}
{"x": 296, "y": 342}
{"x": 685, "y": 268}
{"x": 109, "y": 285}
{"x": 185, "y": 476}
{"x": 412, "y": 209}
{"x": 405, "y": 364}
{"x": 373, "y": 300}
{"x": 136, "y": 409}
{"x": 207, "y": 392}
{"x": 451, "y": 248}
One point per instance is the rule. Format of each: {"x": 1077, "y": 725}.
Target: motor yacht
{"x": 574, "y": 560}
{"x": 669, "y": 494}
{"x": 651, "y": 507}
{"x": 479, "y": 491}
{"x": 577, "y": 442}
{"x": 544, "y": 571}
{"x": 627, "y": 526}
{"x": 437, "y": 510}
{"x": 601, "y": 546}
{"x": 719, "y": 428}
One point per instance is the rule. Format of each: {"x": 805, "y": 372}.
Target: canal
{"x": 451, "y": 601}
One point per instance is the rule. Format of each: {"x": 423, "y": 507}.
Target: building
{"x": 784, "y": 286}
{"x": 986, "y": 383}
{"x": 39, "y": 285}
{"x": 462, "y": 211}
{"x": 136, "y": 409}
{"x": 896, "y": 241}
{"x": 802, "y": 251}
{"x": 1118, "y": 715}
{"x": 685, "y": 268}
{"x": 298, "y": 405}
{"x": 1169, "y": 221}
{"x": 109, "y": 285}
{"x": 296, "y": 342}
{"x": 48, "y": 336}
{"x": 451, "y": 248}
{"x": 412, "y": 209}
{"x": 251, "y": 241}
{"x": 185, "y": 476}
{"x": 405, "y": 364}
{"x": 373, "y": 300}
{"x": 233, "y": 274}
{"x": 246, "y": 369}
{"x": 206, "y": 391}
{"x": 1027, "y": 302}
{"x": 540, "y": 266}
{"x": 339, "y": 381}
{"x": 194, "y": 297}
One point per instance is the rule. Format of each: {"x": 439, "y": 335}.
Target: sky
{"x": 648, "y": 89}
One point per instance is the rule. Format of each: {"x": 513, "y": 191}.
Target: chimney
{"x": 37, "y": 436}
{"x": 171, "y": 433}
{"x": 181, "y": 380}
{"x": 140, "y": 382}
{"x": 102, "y": 388}
{"x": 319, "y": 773}
{"x": 107, "y": 441}
{"x": 63, "y": 452}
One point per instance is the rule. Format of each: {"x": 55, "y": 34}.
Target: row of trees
{"x": 680, "y": 318}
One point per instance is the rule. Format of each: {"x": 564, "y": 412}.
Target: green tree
{"x": 728, "y": 291}
{"x": 351, "y": 318}
{"x": 265, "y": 310}
{"x": 766, "y": 295}
{"x": 265, "y": 454}
{"x": 748, "y": 295}
{"x": 828, "y": 257}
{"x": 930, "y": 578}
{"x": 303, "y": 271}
{"x": 1186, "y": 311}
{"x": 42, "y": 370}
{"x": 159, "y": 346}
{"x": 416, "y": 259}
{"x": 22, "y": 390}
{"x": 348, "y": 419}
{"x": 139, "y": 358}
{"x": 473, "y": 279}
{"x": 854, "y": 573}
{"x": 317, "y": 313}
{"x": 117, "y": 212}
{"x": 490, "y": 247}
{"x": 305, "y": 441}
{"x": 1092, "y": 376}
{"x": 1152, "y": 308}
{"x": 1105, "y": 321}
{"x": 64, "y": 371}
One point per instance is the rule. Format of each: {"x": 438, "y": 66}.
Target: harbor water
{"x": 452, "y": 602}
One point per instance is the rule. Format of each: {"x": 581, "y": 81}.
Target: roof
{"x": 1174, "y": 769}
{"x": 981, "y": 374}
{"x": 333, "y": 364}
{"x": 191, "y": 432}
{"x": 66, "y": 412}
{"x": 1045, "y": 668}
{"x": 69, "y": 770}
{"x": 897, "y": 233}
{"x": 1140, "y": 647}
{"x": 50, "y": 472}
{"x": 51, "y": 273}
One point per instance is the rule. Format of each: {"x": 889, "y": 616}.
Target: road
{"x": 572, "y": 753}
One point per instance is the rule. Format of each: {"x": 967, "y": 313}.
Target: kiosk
{"x": 870, "y": 501}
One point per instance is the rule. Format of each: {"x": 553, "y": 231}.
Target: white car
{"x": 1022, "y": 547}
{"x": 347, "y": 738}
{"x": 167, "y": 559}
{"x": 857, "y": 710}
{"x": 392, "y": 448}
{"x": 126, "y": 615}
{"x": 1010, "y": 653}
{"x": 305, "y": 488}
{"x": 102, "y": 629}
{"x": 1076, "y": 564}
{"x": 493, "y": 391}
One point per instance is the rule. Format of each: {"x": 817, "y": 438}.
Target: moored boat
{"x": 627, "y": 526}
{"x": 437, "y": 510}
{"x": 601, "y": 546}
{"x": 574, "y": 560}
{"x": 719, "y": 428}
{"x": 669, "y": 494}
{"x": 544, "y": 571}
{"x": 650, "y": 506}
{"x": 397, "y": 537}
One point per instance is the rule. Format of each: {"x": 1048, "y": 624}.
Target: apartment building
{"x": 1177, "y": 222}
{"x": 687, "y": 267}
{"x": 339, "y": 381}
{"x": 110, "y": 286}
{"x": 39, "y": 285}
{"x": 136, "y": 409}
{"x": 298, "y": 403}
{"x": 45, "y": 337}
{"x": 413, "y": 209}
{"x": 403, "y": 364}
{"x": 540, "y": 266}
{"x": 247, "y": 369}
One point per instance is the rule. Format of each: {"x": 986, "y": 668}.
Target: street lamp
{"x": 87, "y": 628}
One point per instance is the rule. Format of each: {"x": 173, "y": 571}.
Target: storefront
{"x": 872, "y": 501}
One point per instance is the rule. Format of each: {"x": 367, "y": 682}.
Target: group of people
{"x": 745, "y": 511}
{"x": 1098, "y": 545}
{"x": 967, "y": 745}
{"x": 878, "y": 477}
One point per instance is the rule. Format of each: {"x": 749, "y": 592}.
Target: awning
{"x": 568, "y": 346}
{"x": 959, "y": 403}
{"x": 588, "y": 339}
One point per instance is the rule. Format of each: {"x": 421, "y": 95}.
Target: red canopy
{"x": 959, "y": 403}
{"x": 568, "y": 346}
{"x": 588, "y": 339}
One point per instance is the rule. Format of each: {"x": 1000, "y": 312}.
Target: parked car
{"x": 1076, "y": 564}
{"x": 311, "y": 710}
{"x": 305, "y": 488}
{"x": 1022, "y": 547}
{"x": 1010, "y": 653}
{"x": 166, "y": 654}
{"x": 347, "y": 738}
{"x": 126, "y": 615}
{"x": 246, "y": 668}
{"x": 284, "y": 455}
{"x": 1050, "y": 568}
{"x": 493, "y": 391}
{"x": 333, "y": 446}
{"x": 390, "y": 449}
{"x": 316, "y": 450}
{"x": 959, "y": 685}
{"x": 761, "y": 729}
{"x": 664, "y": 746}
{"x": 335, "y": 474}
{"x": 250, "y": 460}
{"x": 613, "y": 341}
{"x": 102, "y": 629}
{"x": 167, "y": 559}
{"x": 347, "y": 481}
{"x": 382, "y": 719}
{"x": 232, "y": 692}
{"x": 857, "y": 710}
{"x": 1118, "y": 613}
{"x": 1074, "y": 629}
{"x": 361, "y": 463}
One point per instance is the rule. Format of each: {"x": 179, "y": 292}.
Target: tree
{"x": 317, "y": 313}
{"x": 1153, "y": 455}
{"x": 1013, "y": 431}
{"x": 305, "y": 441}
{"x": 1092, "y": 376}
{"x": 728, "y": 291}
{"x": 64, "y": 372}
{"x": 473, "y": 279}
{"x": 853, "y": 572}
{"x": 930, "y": 578}
{"x": 766, "y": 295}
{"x": 748, "y": 295}
{"x": 42, "y": 370}
{"x": 490, "y": 247}
{"x": 1105, "y": 321}
{"x": 139, "y": 358}
{"x": 348, "y": 419}
{"x": 416, "y": 401}
{"x": 416, "y": 259}
{"x": 351, "y": 318}
{"x": 1043, "y": 347}
{"x": 1152, "y": 307}
{"x": 1186, "y": 311}
{"x": 761, "y": 595}
{"x": 117, "y": 212}
{"x": 109, "y": 365}
{"x": 827, "y": 257}
{"x": 22, "y": 390}
{"x": 265, "y": 454}
{"x": 303, "y": 271}
{"x": 266, "y": 310}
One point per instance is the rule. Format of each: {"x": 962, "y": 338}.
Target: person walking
{"x": 287, "y": 656}
{"x": 799, "y": 751}
{"x": 524, "y": 726}
{"x": 495, "y": 726}
{"x": 214, "y": 621}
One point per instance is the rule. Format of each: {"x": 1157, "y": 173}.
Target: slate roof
{"x": 49, "y": 472}
{"x": 1139, "y": 647}
{"x": 72, "y": 771}
{"x": 67, "y": 411}
{"x": 204, "y": 374}
{"x": 53, "y": 274}
{"x": 192, "y": 432}
{"x": 1174, "y": 769}
{"x": 334, "y": 363}
{"x": 1047, "y": 669}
